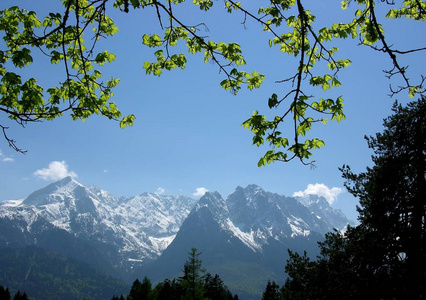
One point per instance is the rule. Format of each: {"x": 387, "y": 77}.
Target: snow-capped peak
{"x": 45, "y": 195}
{"x": 11, "y": 203}
{"x": 143, "y": 226}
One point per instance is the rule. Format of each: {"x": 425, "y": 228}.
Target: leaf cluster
{"x": 313, "y": 49}
{"x": 227, "y": 56}
{"x": 384, "y": 256}
{"x": 70, "y": 39}
{"x": 62, "y": 39}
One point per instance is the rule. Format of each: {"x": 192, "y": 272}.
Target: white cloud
{"x": 160, "y": 190}
{"x": 55, "y": 171}
{"x": 5, "y": 158}
{"x": 200, "y": 191}
{"x": 320, "y": 189}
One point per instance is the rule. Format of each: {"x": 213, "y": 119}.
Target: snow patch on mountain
{"x": 11, "y": 203}
{"x": 246, "y": 237}
{"x": 140, "y": 228}
{"x": 255, "y": 216}
{"x": 322, "y": 209}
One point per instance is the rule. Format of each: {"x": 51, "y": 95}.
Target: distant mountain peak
{"x": 323, "y": 210}
{"x": 211, "y": 196}
{"x": 45, "y": 196}
{"x": 254, "y": 188}
{"x": 312, "y": 199}
{"x": 66, "y": 180}
{"x": 214, "y": 202}
{"x": 129, "y": 231}
{"x": 251, "y": 189}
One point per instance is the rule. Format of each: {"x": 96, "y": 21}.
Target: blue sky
{"x": 187, "y": 137}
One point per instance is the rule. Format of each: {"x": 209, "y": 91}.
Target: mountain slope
{"x": 243, "y": 238}
{"x": 125, "y": 231}
{"x": 23, "y": 226}
{"x": 47, "y": 275}
{"x": 321, "y": 208}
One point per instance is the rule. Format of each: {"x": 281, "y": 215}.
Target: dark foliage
{"x": 20, "y": 296}
{"x": 193, "y": 285}
{"x": 272, "y": 291}
{"x": 5, "y": 294}
{"x": 140, "y": 290}
{"x": 48, "y": 275}
{"x": 385, "y": 256}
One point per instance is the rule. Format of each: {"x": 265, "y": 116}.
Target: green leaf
{"x": 127, "y": 121}
{"x": 273, "y": 101}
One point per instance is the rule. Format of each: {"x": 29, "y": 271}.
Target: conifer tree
{"x": 385, "y": 256}
{"x": 215, "y": 289}
{"x": 20, "y": 296}
{"x": 272, "y": 291}
{"x": 140, "y": 290}
{"x": 392, "y": 195}
{"x": 4, "y": 293}
{"x": 193, "y": 285}
{"x": 192, "y": 281}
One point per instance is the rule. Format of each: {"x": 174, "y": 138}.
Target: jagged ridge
{"x": 124, "y": 232}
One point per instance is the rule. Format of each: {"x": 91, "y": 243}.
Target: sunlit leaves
{"x": 104, "y": 57}
{"x": 81, "y": 90}
{"x": 291, "y": 26}
{"x": 300, "y": 150}
{"x": 369, "y": 32}
{"x": 288, "y": 132}
{"x": 164, "y": 63}
{"x": 412, "y": 91}
{"x": 339, "y": 64}
{"x": 326, "y": 82}
{"x": 152, "y": 40}
{"x": 265, "y": 130}
{"x": 70, "y": 41}
{"x": 228, "y": 56}
{"x": 127, "y": 121}
{"x": 411, "y": 9}
{"x": 203, "y": 4}
{"x": 232, "y": 6}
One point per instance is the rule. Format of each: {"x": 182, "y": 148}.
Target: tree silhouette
{"x": 272, "y": 291}
{"x": 385, "y": 256}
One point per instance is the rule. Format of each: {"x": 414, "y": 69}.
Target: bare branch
{"x": 11, "y": 142}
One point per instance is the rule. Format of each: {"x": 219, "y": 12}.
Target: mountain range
{"x": 243, "y": 238}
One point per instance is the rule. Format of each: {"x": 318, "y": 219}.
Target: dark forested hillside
{"x": 47, "y": 275}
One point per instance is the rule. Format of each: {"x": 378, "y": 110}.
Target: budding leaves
{"x": 70, "y": 40}
{"x": 69, "y": 43}
{"x": 203, "y": 4}
{"x": 227, "y": 56}
{"x": 127, "y": 121}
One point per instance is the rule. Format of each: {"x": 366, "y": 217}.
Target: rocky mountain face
{"x": 251, "y": 231}
{"x": 244, "y": 238}
{"x": 126, "y": 231}
{"x": 320, "y": 207}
